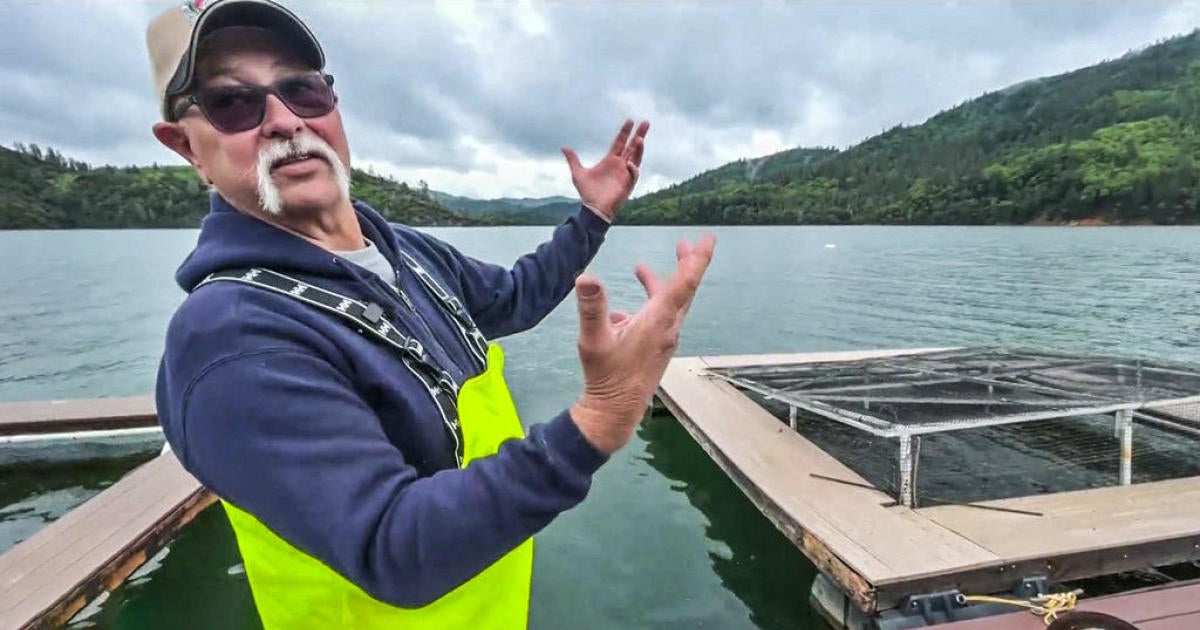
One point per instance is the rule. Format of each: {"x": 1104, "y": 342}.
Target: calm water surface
{"x": 664, "y": 540}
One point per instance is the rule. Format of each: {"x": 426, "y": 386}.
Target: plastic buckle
{"x": 437, "y": 287}
{"x": 415, "y": 347}
{"x": 373, "y": 313}
{"x": 448, "y": 383}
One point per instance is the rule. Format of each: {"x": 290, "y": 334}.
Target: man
{"x": 328, "y": 376}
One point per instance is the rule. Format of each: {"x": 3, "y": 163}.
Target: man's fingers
{"x": 633, "y": 154}
{"x": 682, "y": 249}
{"x": 618, "y": 145}
{"x": 572, "y": 160}
{"x": 633, "y": 171}
{"x": 704, "y": 250}
{"x": 638, "y": 145}
{"x": 700, "y": 255}
{"x": 643, "y": 128}
{"x": 649, "y": 281}
{"x": 616, "y": 318}
{"x": 593, "y": 311}
{"x": 682, "y": 286}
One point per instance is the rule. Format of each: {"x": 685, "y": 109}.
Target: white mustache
{"x": 299, "y": 146}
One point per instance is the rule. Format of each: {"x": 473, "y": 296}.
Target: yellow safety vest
{"x": 294, "y": 590}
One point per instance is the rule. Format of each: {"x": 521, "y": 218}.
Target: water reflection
{"x": 753, "y": 560}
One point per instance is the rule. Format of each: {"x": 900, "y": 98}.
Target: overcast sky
{"x": 476, "y": 99}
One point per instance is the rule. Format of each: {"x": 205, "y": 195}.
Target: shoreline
{"x": 1040, "y": 222}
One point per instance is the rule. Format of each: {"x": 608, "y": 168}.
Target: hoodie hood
{"x": 230, "y": 238}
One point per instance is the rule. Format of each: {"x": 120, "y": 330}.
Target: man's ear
{"x": 173, "y": 136}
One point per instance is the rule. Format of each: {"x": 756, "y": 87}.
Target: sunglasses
{"x": 236, "y": 108}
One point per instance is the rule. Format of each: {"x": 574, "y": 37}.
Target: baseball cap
{"x": 172, "y": 38}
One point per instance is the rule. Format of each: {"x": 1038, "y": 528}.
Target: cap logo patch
{"x": 193, "y": 8}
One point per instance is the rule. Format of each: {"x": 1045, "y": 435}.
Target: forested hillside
{"x": 43, "y": 189}
{"x": 1115, "y": 142}
{"x": 511, "y": 211}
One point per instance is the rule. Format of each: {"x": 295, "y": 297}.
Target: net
{"x": 982, "y": 424}
{"x": 961, "y": 389}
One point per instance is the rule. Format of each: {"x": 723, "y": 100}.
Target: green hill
{"x": 1111, "y": 143}
{"x": 44, "y": 190}
{"x": 512, "y": 211}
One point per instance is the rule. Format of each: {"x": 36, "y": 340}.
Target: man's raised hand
{"x": 624, "y": 356}
{"x": 606, "y": 186}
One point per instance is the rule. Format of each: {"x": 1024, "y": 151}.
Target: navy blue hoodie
{"x": 324, "y": 435}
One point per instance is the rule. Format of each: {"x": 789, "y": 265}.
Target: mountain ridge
{"x": 42, "y": 189}
{"x": 1035, "y": 152}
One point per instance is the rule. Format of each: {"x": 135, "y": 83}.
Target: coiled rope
{"x": 1047, "y": 605}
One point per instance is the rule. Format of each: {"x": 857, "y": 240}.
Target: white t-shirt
{"x": 372, "y": 260}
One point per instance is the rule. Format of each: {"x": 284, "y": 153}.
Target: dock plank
{"x": 879, "y": 544}
{"x": 83, "y": 512}
{"x": 61, "y": 416}
{"x": 678, "y": 390}
{"x": 48, "y": 558}
{"x": 740, "y": 360}
{"x": 50, "y": 576}
{"x": 1081, "y": 521}
{"x": 1186, "y": 622}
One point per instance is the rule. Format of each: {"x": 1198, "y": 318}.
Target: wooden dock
{"x": 47, "y": 578}
{"x": 66, "y": 416}
{"x": 879, "y": 552}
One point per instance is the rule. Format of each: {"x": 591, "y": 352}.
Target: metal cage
{"x": 905, "y": 397}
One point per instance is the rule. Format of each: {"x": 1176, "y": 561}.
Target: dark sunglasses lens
{"x": 233, "y": 109}
{"x": 307, "y": 96}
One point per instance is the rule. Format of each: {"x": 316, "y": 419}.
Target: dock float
{"x": 885, "y": 554}
{"x": 50, "y": 576}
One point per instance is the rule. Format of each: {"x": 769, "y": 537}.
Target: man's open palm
{"x": 607, "y": 185}
{"x": 624, "y": 356}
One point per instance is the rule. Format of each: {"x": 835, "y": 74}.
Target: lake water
{"x": 664, "y": 540}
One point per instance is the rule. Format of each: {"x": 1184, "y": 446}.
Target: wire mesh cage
{"x": 981, "y": 424}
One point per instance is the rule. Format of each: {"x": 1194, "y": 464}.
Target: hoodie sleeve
{"x": 507, "y": 301}
{"x": 307, "y": 457}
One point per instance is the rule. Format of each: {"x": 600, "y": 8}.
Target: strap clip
{"x": 373, "y": 313}
{"x": 447, "y": 383}
{"x": 458, "y": 309}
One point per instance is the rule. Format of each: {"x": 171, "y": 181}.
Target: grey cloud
{"x": 395, "y": 65}
{"x": 424, "y": 82}
{"x": 374, "y": 142}
{"x": 415, "y": 86}
{"x": 76, "y": 76}
{"x": 93, "y": 44}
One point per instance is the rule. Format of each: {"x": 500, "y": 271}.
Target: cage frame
{"x": 1023, "y": 362}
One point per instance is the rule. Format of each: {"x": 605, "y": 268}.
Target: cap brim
{"x": 260, "y": 13}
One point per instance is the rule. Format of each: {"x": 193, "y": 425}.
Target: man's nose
{"x": 279, "y": 121}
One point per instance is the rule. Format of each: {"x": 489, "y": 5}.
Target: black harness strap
{"x": 476, "y": 343}
{"x": 366, "y": 318}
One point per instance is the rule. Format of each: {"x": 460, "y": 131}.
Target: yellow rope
{"x": 1048, "y": 606}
